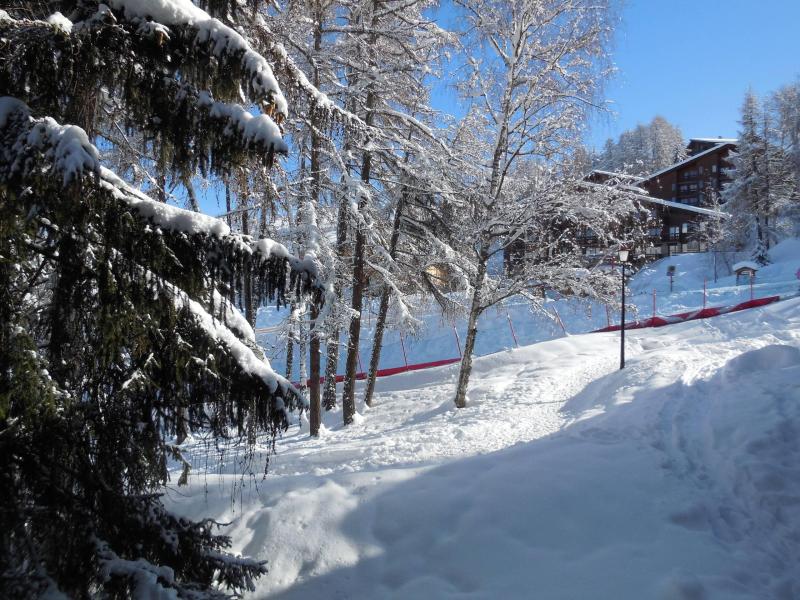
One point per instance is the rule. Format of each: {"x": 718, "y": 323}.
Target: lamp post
{"x": 623, "y": 258}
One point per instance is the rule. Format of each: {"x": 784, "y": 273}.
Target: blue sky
{"x": 691, "y": 61}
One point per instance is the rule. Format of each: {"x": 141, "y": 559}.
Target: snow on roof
{"x": 709, "y": 212}
{"x": 619, "y": 175}
{"x": 687, "y": 161}
{"x": 746, "y": 264}
{"x": 719, "y": 140}
{"x": 638, "y": 193}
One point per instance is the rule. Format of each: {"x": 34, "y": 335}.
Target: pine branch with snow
{"x": 118, "y": 335}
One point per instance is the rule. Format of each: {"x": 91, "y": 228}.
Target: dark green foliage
{"x": 108, "y": 353}
{"x": 159, "y": 96}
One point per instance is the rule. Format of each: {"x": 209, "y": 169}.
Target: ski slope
{"x": 564, "y": 478}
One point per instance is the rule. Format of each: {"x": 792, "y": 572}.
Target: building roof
{"x": 692, "y": 158}
{"x": 708, "y": 212}
{"x": 617, "y": 175}
{"x": 746, "y": 264}
{"x": 643, "y": 197}
{"x": 716, "y": 140}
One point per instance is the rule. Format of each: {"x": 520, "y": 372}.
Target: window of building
{"x": 713, "y": 168}
{"x": 685, "y": 227}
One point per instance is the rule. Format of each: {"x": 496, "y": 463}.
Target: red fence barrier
{"x": 692, "y": 315}
{"x": 651, "y": 322}
{"x": 397, "y": 370}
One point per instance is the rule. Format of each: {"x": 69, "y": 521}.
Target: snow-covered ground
{"x": 677, "y": 478}
{"x": 436, "y": 339}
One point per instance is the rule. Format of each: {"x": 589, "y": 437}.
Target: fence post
{"x": 704, "y": 293}
{"x": 458, "y": 340}
{"x": 511, "y": 327}
{"x": 752, "y": 278}
{"x": 654, "y": 303}
{"x": 358, "y": 355}
{"x": 560, "y": 322}
{"x": 608, "y": 316}
{"x": 403, "y": 346}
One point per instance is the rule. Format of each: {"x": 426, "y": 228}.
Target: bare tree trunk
{"x": 331, "y": 366}
{"x": 162, "y": 186}
{"x": 228, "y": 216}
{"x": 302, "y": 383}
{"x": 290, "y": 344}
{"x": 329, "y": 388}
{"x": 380, "y": 323}
{"x": 314, "y": 411}
{"x": 289, "y": 356}
{"x": 187, "y": 183}
{"x": 247, "y": 287}
{"x": 472, "y": 332}
{"x": 483, "y": 259}
{"x": 349, "y": 390}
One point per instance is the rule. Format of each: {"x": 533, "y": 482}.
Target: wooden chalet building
{"x": 681, "y": 198}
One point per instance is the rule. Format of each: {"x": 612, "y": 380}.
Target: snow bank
{"x": 564, "y": 478}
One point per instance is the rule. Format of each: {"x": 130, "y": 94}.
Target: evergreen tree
{"x": 761, "y": 182}
{"x": 784, "y": 104}
{"x": 644, "y": 149}
{"x": 117, "y": 333}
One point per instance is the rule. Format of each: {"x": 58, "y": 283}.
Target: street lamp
{"x": 623, "y": 258}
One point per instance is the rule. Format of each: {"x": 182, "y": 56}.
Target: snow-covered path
{"x": 564, "y": 478}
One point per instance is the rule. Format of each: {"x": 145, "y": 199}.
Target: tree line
{"x": 763, "y": 195}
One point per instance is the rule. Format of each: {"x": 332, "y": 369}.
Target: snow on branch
{"x": 66, "y": 146}
{"x": 243, "y": 355}
{"x": 71, "y": 156}
{"x": 255, "y": 130}
{"x": 223, "y": 40}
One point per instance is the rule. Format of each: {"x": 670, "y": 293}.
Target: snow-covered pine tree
{"x": 784, "y": 104}
{"x": 117, "y": 337}
{"x": 779, "y": 180}
{"x": 644, "y": 149}
{"x": 761, "y": 184}
{"x": 667, "y": 145}
{"x": 741, "y": 194}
